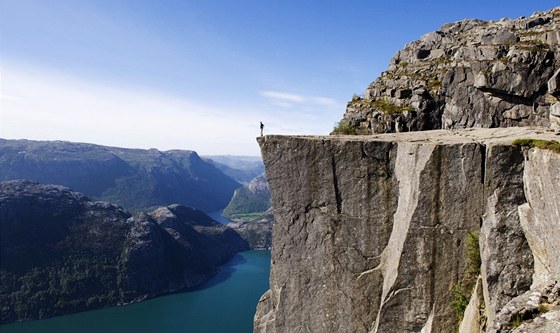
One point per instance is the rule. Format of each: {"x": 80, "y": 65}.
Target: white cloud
{"x": 325, "y": 101}
{"x": 283, "y": 97}
{"x": 286, "y": 99}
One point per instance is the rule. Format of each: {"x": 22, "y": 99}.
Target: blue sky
{"x": 200, "y": 75}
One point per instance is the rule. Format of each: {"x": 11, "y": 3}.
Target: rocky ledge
{"x": 413, "y": 232}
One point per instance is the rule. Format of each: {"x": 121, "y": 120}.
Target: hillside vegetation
{"x": 62, "y": 252}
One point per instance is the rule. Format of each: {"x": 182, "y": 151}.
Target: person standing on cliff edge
{"x": 262, "y": 127}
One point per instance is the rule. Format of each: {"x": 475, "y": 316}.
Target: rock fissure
{"x": 335, "y": 187}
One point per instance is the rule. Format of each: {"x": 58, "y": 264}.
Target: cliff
{"x": 62, "y": 252}
{"x": 471, "y": 73}
{"x": 376, "y": 233}
{"x": 136, "y": 179}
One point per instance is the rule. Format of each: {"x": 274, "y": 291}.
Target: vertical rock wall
{"x": 370, "y": 232}
{"x": 540, "y": 218}
{"x": 507, "y": 263}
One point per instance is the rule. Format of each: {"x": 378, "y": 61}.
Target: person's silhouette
{"x": 262, "y": 127}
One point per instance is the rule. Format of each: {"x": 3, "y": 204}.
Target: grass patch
{"x": 461, "y": 291}
{"x": 533, "y": 45}
{"x": 459, "y": 302}
{"x": 342, "y": 128}
{"x": 249, "y": 217}
{"x": 516, "y": 320}
{"x": 435, "y": 84}
{"x": 388, "y": 107}
{"x": 473, "y": 255}
{"x": 536, "y": 143}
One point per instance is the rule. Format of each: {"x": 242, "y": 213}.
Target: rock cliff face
{"x": 61, "y": 252}
{"x": 468, "y": 74}
{"x": 371, "y": 232}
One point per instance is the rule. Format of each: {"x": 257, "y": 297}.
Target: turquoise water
{"x": 217, "y": 216}
{"x": 226, "y": 303}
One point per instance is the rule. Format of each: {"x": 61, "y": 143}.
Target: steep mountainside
{"x": 471, "y": 73}
{"x": 136, "y": 179}
{"x": 252, "y": 198}
{"x": 250, "y": 209}
{"x": 396, "y": 232}
{"x": 62, "y": 252}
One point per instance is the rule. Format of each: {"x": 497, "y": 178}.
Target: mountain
{"x": 452, "y": 229}
{"x": 136, "y": 179}
{"x": 250, "y": 199}
{"x": 62, "y": 252}
{"x": 250, "y": 209}
{"x": 241, "y": 168}
{"x": 470, "y": 73}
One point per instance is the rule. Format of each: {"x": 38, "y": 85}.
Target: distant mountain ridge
{"x": 137, "y": 179}
{"x": 241, "y": 168}
{"x": 62, "y": 252}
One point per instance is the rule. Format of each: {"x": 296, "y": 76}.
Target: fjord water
{"x": 225, "y": 303}
{"x": 217, "y": 216}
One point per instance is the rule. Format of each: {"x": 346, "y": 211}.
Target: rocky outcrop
{"x": 173, "y": 248}
{"x": 470, "y": 73}
{"x": 257, "y": 232}
{"x": 55, "y": 242}
{"x": 371, "y": 231}
{"x": 136, "y": 179}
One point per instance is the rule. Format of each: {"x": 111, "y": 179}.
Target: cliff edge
{"x": 376, "y": 233}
